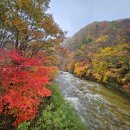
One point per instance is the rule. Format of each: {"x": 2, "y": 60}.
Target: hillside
{"x": 101, "y": 51}
{"x": 97, "y": 29}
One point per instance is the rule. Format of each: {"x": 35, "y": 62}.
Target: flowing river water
{"x": 99, "y": 107}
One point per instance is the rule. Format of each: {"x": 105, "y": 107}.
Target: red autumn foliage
{"x": 22, "y": 85}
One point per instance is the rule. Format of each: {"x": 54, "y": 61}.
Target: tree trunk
{"x": 17, "y": 40}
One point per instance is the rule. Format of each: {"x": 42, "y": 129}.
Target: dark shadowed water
{"x": 99, "y": 107}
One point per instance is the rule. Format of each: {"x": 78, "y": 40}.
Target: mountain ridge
{"x": 98, "y": 28}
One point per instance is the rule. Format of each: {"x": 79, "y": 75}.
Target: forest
{"x": 34, "y": 50}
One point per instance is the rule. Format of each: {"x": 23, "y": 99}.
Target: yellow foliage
{"x": 80, "y": 68}
{"x": 102, "y": 62}
{"x": 102, "y": 39}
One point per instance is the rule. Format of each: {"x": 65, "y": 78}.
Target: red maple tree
{"x": 22, "y": 85}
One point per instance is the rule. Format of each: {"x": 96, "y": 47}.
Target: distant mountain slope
{"x": 101, "y": 51}
{"x": 97, "y": 29}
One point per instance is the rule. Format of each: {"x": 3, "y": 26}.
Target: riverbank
{"x": 116, "y": 87}
{"x": 111, "y": 85}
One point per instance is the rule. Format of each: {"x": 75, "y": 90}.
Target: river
{"x": 99, "y": 107}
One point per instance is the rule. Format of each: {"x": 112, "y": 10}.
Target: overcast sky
{"x": 72, "y": 15}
